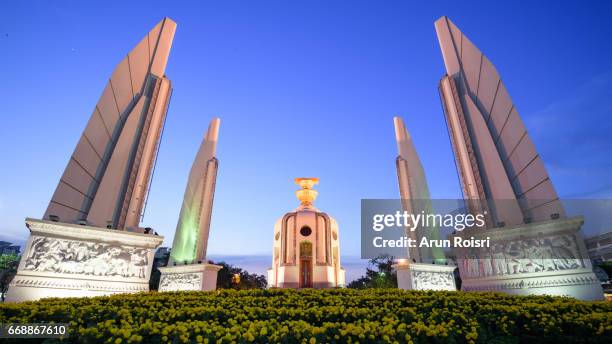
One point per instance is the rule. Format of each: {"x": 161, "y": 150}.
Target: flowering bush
{"x": 321, "y": 316}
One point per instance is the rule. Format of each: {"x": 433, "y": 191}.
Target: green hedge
{"x": 321, "y": 316}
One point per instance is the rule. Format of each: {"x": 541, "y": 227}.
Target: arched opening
{"x": 305, "y": 264}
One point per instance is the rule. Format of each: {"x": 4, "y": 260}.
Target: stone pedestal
{"x": 189, "y": 277}
{"x": 419, "y": 276}
{"x": 546, "y": 257}
{"x": 70, "y": 260}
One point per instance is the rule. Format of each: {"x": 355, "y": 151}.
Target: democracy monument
{"x": 90, "y": 241}
{"x": 306, "y": 249}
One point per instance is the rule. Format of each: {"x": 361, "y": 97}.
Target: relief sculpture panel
{"x": 85, "y": 258}
{"x": 426, "y": 280}
{"x": 188, "y": 281}
{"x": 537, "y": 254}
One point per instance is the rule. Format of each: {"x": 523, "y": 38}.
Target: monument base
{"x": 323, "y": 277}
{"x": 543, "y": 258}
{"x": 189, "y": 277}
{"x": 70, "y": 260}
{"x": 420, "y": 276}
{"x": 580, "y": 283}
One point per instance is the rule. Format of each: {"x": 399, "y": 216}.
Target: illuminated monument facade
{"x": 536, "y": 248}
{"x": 306, "y": 249}
{"x": 188, "y": 268}
{"x": 89, "y": 241}
{"x": 426, "y": 268}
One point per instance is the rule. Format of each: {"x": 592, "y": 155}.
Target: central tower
{"x": 306, "y": 250}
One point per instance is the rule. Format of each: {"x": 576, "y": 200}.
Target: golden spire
{"x": 306, "y": 195}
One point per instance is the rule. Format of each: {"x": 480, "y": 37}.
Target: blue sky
{"x": 303, "y": 89}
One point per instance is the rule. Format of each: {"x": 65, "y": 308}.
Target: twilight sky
{"x": 303, "y": 89}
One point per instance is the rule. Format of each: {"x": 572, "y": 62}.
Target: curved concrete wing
{"x": 414, "y": 192}
{"x": 106, "y": 180}
{"x": 496, "y": 158}
{"x": 191, "y": 237}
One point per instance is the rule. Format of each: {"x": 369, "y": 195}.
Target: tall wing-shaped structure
{"x": 107, "y": 177}
{"x": 414, "y": 192}
{"x": 503, "y": 177}
{"x": 191, "y": 236}
{"x": 499, "y": 167}
{"x": 427, "y": 268}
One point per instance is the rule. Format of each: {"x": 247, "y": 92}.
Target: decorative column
{"x": 426, "y": 268}
{"x": 188, "y": 268}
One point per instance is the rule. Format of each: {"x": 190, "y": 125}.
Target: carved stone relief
{"x": 424, "y": 280}
{"x": 540, "y": 254}
{"x": 184, "y": 281}
{"x": 86, "y": 258}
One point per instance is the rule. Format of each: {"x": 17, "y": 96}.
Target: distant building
{"x": 8, "y": 248}
{"x": 162, "y": 255}
{"x": 599, "y": 247}
{"x": 160, "y": 259}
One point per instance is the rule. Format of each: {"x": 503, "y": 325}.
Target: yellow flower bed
{"x": 321, "y": 316}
